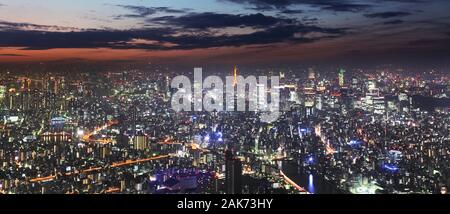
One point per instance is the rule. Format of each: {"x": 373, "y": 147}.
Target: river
{"x": 312, "y": 182}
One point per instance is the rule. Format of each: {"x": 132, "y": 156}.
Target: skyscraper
{"x": 3, "y": 92}
{"x": 311, "y": 74}
{"x": 233, "y": 174}
{"x": 341, "y": 77}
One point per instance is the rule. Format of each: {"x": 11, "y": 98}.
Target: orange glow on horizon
{"x": 243, "y": 54}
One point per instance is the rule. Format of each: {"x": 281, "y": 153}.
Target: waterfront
{"x": 310, "y": 181}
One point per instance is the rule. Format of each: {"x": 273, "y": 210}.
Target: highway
{"x": 87, "y": 136}
{"x": 115, "y": 165}
{"x": 291, "y": 182}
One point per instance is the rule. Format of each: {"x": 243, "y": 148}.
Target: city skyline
{"x": 223, "y": 97}
{"x": 226, "y": 31}
{"x": 117, "y": 131}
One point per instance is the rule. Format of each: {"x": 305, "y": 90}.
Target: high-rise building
{"x": 233, "y": 174}
{"x": 341, "y": 77}
{"x": 140, "y": 142}
{"x": 104, "y": 151}
{"x": 355, "y": 83}
{"x": 2, "y": 91}
{"x": 311, "y": 74}
{"x": 374, "y": 100}
{"x": 12, "y": 94}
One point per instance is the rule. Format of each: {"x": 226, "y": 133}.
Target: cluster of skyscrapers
{"x": 348, "y": 130}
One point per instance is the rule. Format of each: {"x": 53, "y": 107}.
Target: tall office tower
{"x": 233, "y": 174}
{"x": 133, "y": 116}
{"x": 12, "y": 94}
{"x": 355, "y": 82}
{"x": 140, "y": 142}
{"x": 311, "y": 81}
{"x": 341, "y": 77}
{"x": 24, "y": 100}
{"x": 257, "y": 144}
{"x": 52, "y": 85}
{"x": 319, "y": 102}
{"x": 374, "y": 100}
{"x": 311, "y": 74}
{"x": 2, "y": 92}
{"x": 104, "y": 150}
{"x": 379, "y": 105}
{"x": 25, "y": 83}
{"x": 167, "y": 89}
{"x": 310, "y": 92}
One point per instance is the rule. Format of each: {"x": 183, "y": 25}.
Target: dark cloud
{"x": 141, "y": 11}
{"x": 292, "y": 11}
{"x": 393, "y": 22}
{"x": 272, "y": 30}
{"x": 344, "y": 7}
{"x": 216, "y": 20}
{"x": 291, "y": 33}
{"x": 82, "y": 39}
{"x": 333, "y": 5}
{"x": 309, "y": 20}
{"x": 5, "y": 26}
{"x": 385, "y": 15}
{"x": 407, "y": 1}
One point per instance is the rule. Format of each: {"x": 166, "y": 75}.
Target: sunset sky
{"x": 223, "y": 30}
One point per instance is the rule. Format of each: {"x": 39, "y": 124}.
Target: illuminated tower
{"x": 341, "y": 77}
{"x": 235, "y": 76}
{"x": 25, "y": 83}
{"x": 167, "y": 89}
{"x": 12, "y": 98}
{"x": 311, "y": 74}
{"x": 2, "y": 92}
